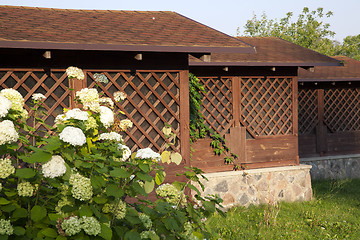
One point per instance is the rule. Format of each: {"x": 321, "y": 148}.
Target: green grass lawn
{"x": 333, "y": 214}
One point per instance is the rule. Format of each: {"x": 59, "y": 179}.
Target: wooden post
{"x": 76, "y": 85}
{"x": 295, "y": 113}
{"x": 321, "y": 129}
{"x": 184, "y": 116}
{"x": 236, "y": 100}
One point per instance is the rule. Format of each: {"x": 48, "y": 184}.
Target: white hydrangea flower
{"x": 15, "y": 97}
{"x": 59, "y": 119}
{"x": 89, "y": 97}
{"x": 107, "y": 100}
{"x": 6, "y": 168}
{"x": 5, "y": 106}
{"x": 8, "y": 133}
{"x": 5, "y": 227}
{"x": 74, "y": 72}
{"x": 81, "y": 187}
{"x": 148, "y": 153}
{"x": 119, "y": 96}
{"x": 145, "y": 220}
{"x": 90, "y": 225}
{"x": 125, "y": 124}
{"x": 55, "y": 167}
{"x": 170, "y": 193}
{"x": 77, "y": 114}
{"x": 126, "y": 152}
{"x": 100, "y": 77}
{"x": 71, "y": 226}
{"x": 25, "y": 189}
{"x": 111, "y": 136}
{"x": 38, "y": 97}
{"x": 119, "y": 210}
{"x": 91, "y": 123}
{"x": 73, "y": 135}
{"x": 106, "y": 116}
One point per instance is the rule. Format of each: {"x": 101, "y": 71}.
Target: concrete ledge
{"x": 257, "y": 186}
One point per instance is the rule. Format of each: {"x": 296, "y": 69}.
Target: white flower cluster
{"x": 125, "y": 151}
{"x": 107, "y": 100}
{"x": 119, "y": 210}
{"x": 76, "y": 114}
{"x": 55, "y": 167}
{"x": 106, "y": 116}
{"x": 91, "y": 123}
{"x": 100, "y": 77}
{"x": 111, "y": 136}
{"x": 73, "y": 135}
{"x": 5, "y": 227}
{"x": 6, "y": 168}
{"x": 17, "y": 101}
{"x": 125, "y": 124}
{"x": 5, "y": 106}
{"x": 81, "y": 187}
{"x": 74, "y": 72}
{"x": 145, "y": 220}
{"x": 38, "y": 97}
{"x": 119, "y": 96}
{"x": 89, "y": 97}
{"x": 170, "y": 193}
{"x": 8, "y": 133}
{"x": 25, "y": 189}
{"x": 146, "y": 234}
{"x": 148, "y": 153}
{"x": 71, "y": 226}
{"x": 90, "y": 225}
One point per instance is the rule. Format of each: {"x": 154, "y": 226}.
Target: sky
{"x": 223, "y": 15}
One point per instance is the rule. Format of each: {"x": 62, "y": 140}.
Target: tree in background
{"x": 309, "y": 31}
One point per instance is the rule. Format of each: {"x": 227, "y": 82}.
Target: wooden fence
{"x": 329, "y": 121}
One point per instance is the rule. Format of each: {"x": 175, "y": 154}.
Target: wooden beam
{"x": 184, "y": 117}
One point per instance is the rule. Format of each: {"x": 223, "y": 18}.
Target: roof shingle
{"x": 108, "y": 29}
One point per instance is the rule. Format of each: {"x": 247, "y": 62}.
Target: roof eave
{"x": 272, "y": 64}
{"x": 349, "y": 79}
{"x": 130, "y": 48}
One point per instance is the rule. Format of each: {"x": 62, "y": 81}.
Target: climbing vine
{"x": 198, "y": 128}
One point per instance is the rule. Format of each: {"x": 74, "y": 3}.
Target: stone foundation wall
{"x": 334, "y": 167}
{"x": 256, "y": 186}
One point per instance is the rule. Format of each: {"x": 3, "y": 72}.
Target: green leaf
{"x": 61, "y": 238}
{"x": 144, "y": 167}
{"x": 19, "y": 231}
{"x": 171, "y": 224}
{"x": 54, "y": 217}
{"x": 37, "y": 213}
{"x": 194, "y": 188}
{"x": 176, "y": 158}
{"x": 106, "y": 232}
{"x": 39, "y": 156}
{"x": 4, "y": 201}
{"x": 25, "y": 173}
{"x": 132, "y": 235}
{"x": 120, "y": 173}
{"x": 100, "y": 200}
{"x": 114, "y": 190}
{"x": 154, "y": 236}
{"x": 149, "y": 186}
{"x": 8, "y": 208}
{"x": 85, "y": 211}
{"x": 144, "y": 176}
{"x": 20, "y": 213}
{"x": 49, "y": 232}
{"x": 53, "y": 144}
{"x": 68, "y": 153}
{"x": 160, "y": 177}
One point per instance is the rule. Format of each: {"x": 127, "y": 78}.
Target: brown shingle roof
{"x": 28, "y": 27}
{"x": 349, "y": 72}
{"x": 270, "y": 51}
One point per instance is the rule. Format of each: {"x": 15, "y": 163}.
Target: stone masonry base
{"x": 334, "y": 167}
{"x": 257, "y": 186}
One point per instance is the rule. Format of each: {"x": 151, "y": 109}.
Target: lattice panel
{"x": 342, "y": 108}
{"x": 266, "y": 106}
{"x": 152, "y": 100}
{"x": 308, "y": 110}
{"x": 217, "y": 103}
{"x": 54, "y": 85}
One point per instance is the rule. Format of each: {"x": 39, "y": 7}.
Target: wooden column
{"x": 236, "y": 100}
{"x": 321, "y": 129}
{"x": 76, "y": 85}
{"x": 295, "y": 113}
{"x": 184, "y": 116}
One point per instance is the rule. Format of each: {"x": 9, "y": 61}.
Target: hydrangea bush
{"x": 83, "y": 182}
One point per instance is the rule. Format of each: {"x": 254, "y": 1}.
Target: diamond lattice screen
{"x": 341, "y": 109}
{"x": 152, "y": 101}
{"x": 217, "y": 103}
{"x": 308, "y": 110}
{"x": 54, "y": 85}
{"x": 266, "y": 106}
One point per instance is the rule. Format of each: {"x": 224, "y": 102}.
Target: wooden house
{"x": 329, "y": 110}
{"x": 142, "y": 53}
{"x": 252, "y": 100}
